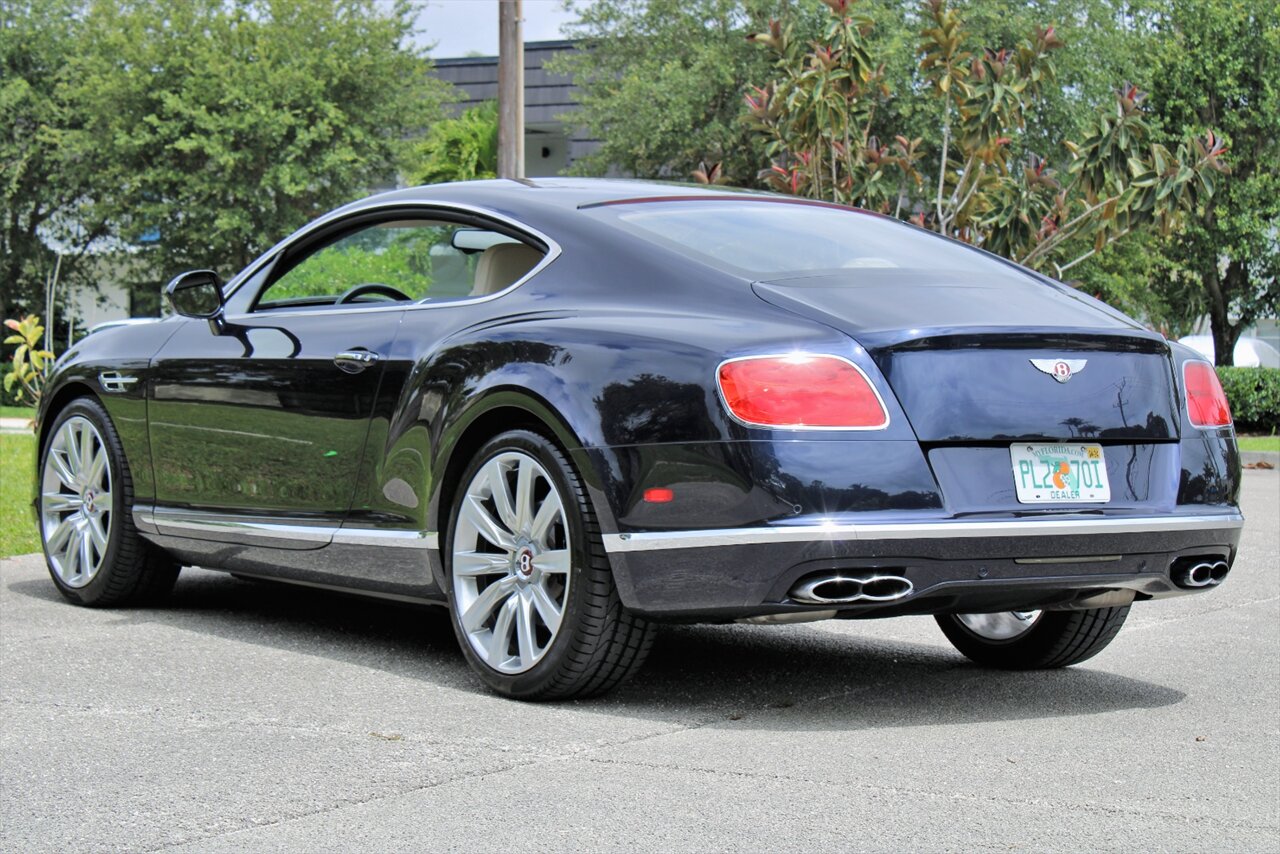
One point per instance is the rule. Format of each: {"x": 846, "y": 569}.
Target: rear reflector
{"x": 1206, "y": 401}
{"x": 801, "y": 391}
{"x": 659, "y": 495}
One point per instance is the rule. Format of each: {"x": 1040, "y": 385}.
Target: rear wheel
{"x": 1032, "y": 640}
{"x": 532, "y": 597}
{"x": 93, "y": 551}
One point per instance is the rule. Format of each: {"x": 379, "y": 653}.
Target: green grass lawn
{"x": 1259, "y": 443}
{"x": 17, "y": 412}
{"x": 17, "y": 529}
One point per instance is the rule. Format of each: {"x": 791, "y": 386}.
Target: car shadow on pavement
{"x": 800, "y": 677}
{"x": 766, "y": 677}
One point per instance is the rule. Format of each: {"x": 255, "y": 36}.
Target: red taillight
{"x": 659, "y": 495}
{"x": 801, "y": 391}
{"x": 1206, "y": 401}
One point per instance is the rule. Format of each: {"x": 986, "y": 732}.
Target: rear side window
{"x": 761, "y": 239}
{"x": 419, "y": 258}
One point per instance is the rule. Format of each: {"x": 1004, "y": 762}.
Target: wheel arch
{"x": 60, "y": 400}
{"x": 47, "y": 414}
{"x": 500, "y": 410}
{"x": 127, "y": 413}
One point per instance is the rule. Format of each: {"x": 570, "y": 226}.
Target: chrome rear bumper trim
{"x": 1058, "y": 527}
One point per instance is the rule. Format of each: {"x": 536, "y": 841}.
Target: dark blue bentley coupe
{"x": 568, "y": 410}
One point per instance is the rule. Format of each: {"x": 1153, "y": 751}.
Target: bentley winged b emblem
{"x": 1060, "y": 369}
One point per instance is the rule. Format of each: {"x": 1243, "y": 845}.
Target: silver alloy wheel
{"x": 511, "y": 560}
{"x": 75, "y": 501}
{"x": 1005, "y": 625}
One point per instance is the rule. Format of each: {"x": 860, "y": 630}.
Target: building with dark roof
{"x": 550, "y": 144}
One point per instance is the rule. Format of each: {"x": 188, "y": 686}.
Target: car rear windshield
{"x": 764, "y": 239}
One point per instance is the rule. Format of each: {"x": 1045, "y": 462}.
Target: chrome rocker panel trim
{"x": 249, "y": 530}
{"x": 657, "y": 540}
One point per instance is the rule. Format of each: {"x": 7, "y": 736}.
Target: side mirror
{"x": 197, "y": 293}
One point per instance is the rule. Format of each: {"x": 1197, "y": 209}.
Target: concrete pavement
{"x": 246, "y": 716}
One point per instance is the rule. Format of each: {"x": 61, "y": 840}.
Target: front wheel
{"x": 532, "y": 597}
{"x": 94, "y": 553}
{"x": 1032, "y": 640}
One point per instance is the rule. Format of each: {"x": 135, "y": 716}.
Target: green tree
{"x": 1218, "y": 65}
{"x": 819, "y": 114}
{"x": 1140, "y": 276}
{"x": 42, "y": 181}
{"x": 661, "y": 100}
{"x": 1107, "y": 42}
{"x": 221, "y": 125}
{"x": 458, "y": 149}
{"x": 661, "y": 83}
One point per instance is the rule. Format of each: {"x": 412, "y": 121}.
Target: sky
{"x": 459, "y": 27}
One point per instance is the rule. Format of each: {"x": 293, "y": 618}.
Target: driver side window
{"x": 419, "y": 259}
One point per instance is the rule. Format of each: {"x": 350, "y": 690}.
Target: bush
{"x": 459, "y": 149}
{"x": 10, "y": 392}
{"x": 1254, "y": 395}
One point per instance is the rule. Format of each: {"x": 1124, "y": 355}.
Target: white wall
{"x": 87, "y": 308}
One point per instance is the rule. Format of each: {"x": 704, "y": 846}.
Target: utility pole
{"x": 51, "y": 293}
{"x": 510, "y": 89}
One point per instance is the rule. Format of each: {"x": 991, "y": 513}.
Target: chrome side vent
{"x": 115, "y": 381}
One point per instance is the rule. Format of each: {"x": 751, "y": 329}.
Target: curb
{"x": 16, "y": 425}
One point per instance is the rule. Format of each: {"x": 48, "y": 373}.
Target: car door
{"x": 258, "y": 420}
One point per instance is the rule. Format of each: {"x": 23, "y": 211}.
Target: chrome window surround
{"x": 552, "y": 253}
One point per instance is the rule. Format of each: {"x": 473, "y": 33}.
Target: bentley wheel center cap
{"x": 524, "y": 562}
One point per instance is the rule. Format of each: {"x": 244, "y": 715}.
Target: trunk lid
{"x": 960, "y": 352}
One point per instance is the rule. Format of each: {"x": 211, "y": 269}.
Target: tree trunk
{"x": 1219, "y": 324}
{"x": 1225, "y": 335}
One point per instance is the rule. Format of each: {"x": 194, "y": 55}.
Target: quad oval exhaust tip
{"x": 1202, "y": 574}
{"x": 835, "y": 588}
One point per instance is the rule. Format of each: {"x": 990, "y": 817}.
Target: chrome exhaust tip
{"x": 838, "y": 589}
{"x": 1219, "y": 571}
{"x": 1197, "y": 575}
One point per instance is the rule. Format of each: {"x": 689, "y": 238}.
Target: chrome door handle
{"x": 355, "y": 361}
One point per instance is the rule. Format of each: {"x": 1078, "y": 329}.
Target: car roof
{"x": 565, "y": 193}
{"x": 522, "y": 199}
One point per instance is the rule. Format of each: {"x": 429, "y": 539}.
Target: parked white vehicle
{"x": 1249, "y": 352}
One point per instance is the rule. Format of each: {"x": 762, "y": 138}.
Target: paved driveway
{"x": 250, "y": 716}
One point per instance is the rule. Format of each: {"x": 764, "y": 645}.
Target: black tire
{"x": 1057, "y": 639}
{"x": 131, "y": 571}
{"x": 599, "y": 643}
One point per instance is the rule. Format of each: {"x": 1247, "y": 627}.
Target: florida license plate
{"x": 1059, "y": 474}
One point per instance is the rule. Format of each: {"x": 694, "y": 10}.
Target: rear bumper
{"x": 965, "y": 565}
